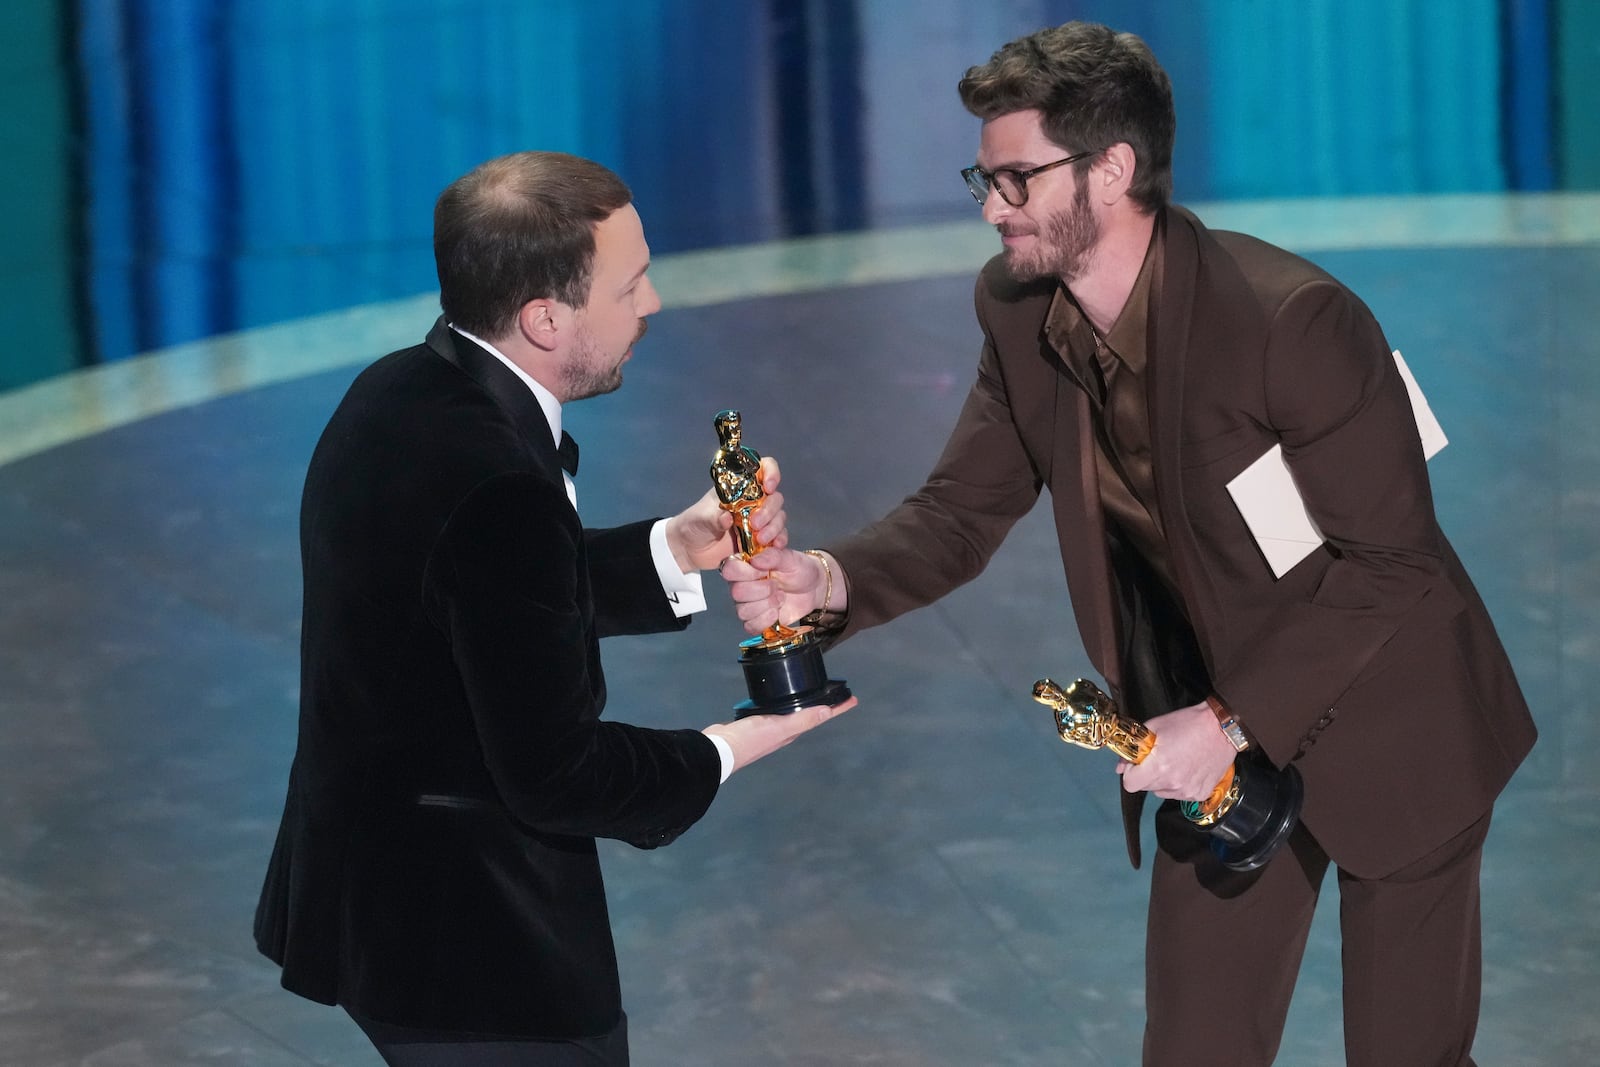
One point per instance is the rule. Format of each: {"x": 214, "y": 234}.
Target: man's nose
{"x": 651, "y": 300}
{"x": 995, "y": 207}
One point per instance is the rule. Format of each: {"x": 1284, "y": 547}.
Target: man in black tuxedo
{"x": 435, "y": 872}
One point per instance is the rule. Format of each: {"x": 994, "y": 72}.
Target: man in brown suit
{"x": 1135, "y": 362}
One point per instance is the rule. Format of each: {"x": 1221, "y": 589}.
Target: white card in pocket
{"x": 1266, "y": 496}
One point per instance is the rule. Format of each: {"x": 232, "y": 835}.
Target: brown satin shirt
{"x": 1111, "y": 370}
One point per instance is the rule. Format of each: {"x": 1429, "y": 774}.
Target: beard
{"x": 590, "y": 371}
{"x": 1065, "y": 244}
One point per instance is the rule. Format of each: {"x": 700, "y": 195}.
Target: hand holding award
{"x": 782, "y": 665}
{"x": 1249, "y": 813}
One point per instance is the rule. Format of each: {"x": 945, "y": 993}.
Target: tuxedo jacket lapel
{"x": 508, "y": 391}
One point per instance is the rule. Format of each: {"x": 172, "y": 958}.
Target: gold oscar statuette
{"x": 782, "y": 665}
{"x": 1249, "y": 813}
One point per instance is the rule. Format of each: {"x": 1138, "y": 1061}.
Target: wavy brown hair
{"x": 1093, "y": 87}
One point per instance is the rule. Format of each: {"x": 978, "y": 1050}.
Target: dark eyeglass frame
{"x": 980, "y": 181}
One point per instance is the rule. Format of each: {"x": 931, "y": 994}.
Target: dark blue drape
{"x": 250, "y": 162}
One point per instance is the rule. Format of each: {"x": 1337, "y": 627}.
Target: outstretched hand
{"x": 756, "y": 736}
{"x": 701, "y": 535}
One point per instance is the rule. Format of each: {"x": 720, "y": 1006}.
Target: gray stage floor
{"x": 932, "y": 880}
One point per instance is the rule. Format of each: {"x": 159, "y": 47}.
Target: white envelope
{"x": 1266, "y": 496}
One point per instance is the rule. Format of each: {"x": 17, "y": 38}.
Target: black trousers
{"x": 403, "y": 1046}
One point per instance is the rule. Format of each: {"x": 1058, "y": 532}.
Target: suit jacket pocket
{"x": 1423, "y": 624}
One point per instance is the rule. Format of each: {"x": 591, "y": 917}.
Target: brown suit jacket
{"x": 1372, "y": 663}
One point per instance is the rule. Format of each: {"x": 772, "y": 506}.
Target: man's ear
{"x": 1113, "y": 175}
{"x": 544, "y": 323}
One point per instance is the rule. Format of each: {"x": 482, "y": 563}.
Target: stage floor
{"x": 934, "y": 879}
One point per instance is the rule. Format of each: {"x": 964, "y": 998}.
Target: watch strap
{"x": 1229, "y": 723}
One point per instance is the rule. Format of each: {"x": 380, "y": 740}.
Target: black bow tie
{"x": 569, "y": 454}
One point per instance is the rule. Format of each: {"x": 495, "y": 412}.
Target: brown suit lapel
{"x": 1081, "y": 528}
{"x": 1172, "y": 303}
{"x": 1085, "y": 552}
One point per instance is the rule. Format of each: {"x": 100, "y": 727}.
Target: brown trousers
{"x": 1224, "y": 949}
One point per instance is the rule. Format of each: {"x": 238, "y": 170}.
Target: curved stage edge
{"x": 934, "y": 879}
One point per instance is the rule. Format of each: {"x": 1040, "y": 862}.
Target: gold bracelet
{"x": 828, "y": 571}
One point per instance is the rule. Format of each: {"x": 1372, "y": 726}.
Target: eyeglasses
{"x": 1011, "y": 183}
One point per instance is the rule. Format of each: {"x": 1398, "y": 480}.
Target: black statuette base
{"x": 782, "y": 681}
{"x": 1265, "y": 814}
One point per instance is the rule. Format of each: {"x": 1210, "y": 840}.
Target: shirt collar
{"x": 1128, "y": 334}
{"x": 1067, "y": 327}
{"x": 547, "y": 400}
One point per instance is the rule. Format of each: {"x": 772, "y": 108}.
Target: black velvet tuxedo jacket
{"x": 436, "y": 864}
{"x": 1372, "y": 662}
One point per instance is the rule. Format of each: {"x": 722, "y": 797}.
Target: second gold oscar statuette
{"x": 1249, "y": 813}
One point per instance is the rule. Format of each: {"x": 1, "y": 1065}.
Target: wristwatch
{"x": 1229, "y": 723}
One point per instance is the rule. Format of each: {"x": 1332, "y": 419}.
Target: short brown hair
{"x": 519, "y": 228}
{"x": 1093, "y": 87}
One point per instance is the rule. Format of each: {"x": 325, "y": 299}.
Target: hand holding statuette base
{"x": 782, "y": 665}
{"x": 1250, "y": 812}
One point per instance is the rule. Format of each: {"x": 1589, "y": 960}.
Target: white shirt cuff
{"x": 687, "y": 594}
{"x": 725, "y": 753}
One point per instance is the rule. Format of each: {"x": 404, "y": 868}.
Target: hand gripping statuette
{"x": 782, "y": 665}
{"x": 1250, "y": 812}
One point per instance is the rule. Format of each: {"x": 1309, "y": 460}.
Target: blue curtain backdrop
{"x": 249, "y": 162}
